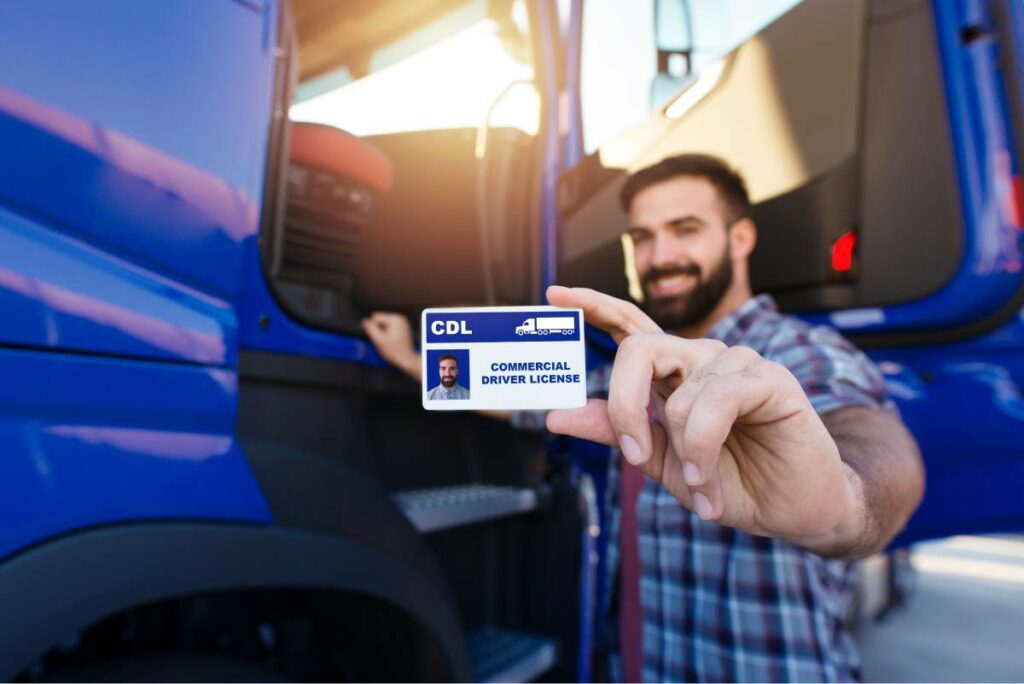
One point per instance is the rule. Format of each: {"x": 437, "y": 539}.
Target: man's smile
{"x": 670, "y": 285}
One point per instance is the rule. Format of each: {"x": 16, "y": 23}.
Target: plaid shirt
{"x": 723, "y": 605}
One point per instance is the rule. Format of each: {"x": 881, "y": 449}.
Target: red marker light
{"x": 1016, "y": 202}
{"x": 842, "y": 253}
{"x": 1010, "y": 189}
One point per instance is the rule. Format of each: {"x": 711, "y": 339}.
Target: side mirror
{"x": 673, "y": 36}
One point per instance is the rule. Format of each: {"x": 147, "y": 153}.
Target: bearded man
{"x": 448, "y": 374}
{"x": 760, "y": 455}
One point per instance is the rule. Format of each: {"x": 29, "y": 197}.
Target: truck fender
{"x": 53, "y": 590}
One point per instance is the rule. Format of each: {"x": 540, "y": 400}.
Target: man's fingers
{"x": 590, "y": 422}
{"x": 719, "y": 401}
{"x": 375, "y": 320}
{"x": 698, "y": 471}
{"x": 641, "y": 361}
{"x": 616, "y": 317}
{"x": 680, "y": 402}
{"x": 629, "y": 393}
{"x": 711, "y": 418}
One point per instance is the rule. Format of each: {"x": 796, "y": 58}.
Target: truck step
{"x": 445, "y": 507}
{"x": 506, "y": 656}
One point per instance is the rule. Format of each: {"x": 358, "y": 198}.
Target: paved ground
{"x": 964, "y": 621}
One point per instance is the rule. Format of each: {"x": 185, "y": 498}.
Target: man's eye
{"x": 638, "y": 238}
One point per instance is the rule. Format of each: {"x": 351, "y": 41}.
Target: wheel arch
{"x": 61, "y": 587}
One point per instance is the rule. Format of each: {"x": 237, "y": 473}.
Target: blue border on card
{"x": 502, "y": 326}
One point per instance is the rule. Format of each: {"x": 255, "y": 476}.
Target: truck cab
{"x": 882, "y": 146}
{"x": 209, "y": 472}
{"x": 529, "y": 327}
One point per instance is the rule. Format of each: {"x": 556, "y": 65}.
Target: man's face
{"x": 449, "y": 372}
{"x": 681, "y": 248}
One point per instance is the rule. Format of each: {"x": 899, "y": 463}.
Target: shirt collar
{"x": 734, "y": 327}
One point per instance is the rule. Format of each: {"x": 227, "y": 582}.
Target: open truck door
{"x": 882, "y": 145}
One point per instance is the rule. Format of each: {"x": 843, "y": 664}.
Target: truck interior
{"x": 376, "y": 203}
{"x": 451, "y": 219}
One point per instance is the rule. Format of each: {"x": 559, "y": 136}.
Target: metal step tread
{"x": 444, "y": 507}
{"x": 507, "y": 656}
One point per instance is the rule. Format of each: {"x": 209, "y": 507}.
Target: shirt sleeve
{"x": 833, "y": 373}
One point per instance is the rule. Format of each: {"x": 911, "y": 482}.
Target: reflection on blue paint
{"x": 136, "y": 201}
{"x": 90, "y": 441}
{"x": 184, "y": 77}
{"x": 58, "y": 292}
{"x": 963, "y": 404}
{"x": 152, "y": 147}
{"x": 189, "y": 446}
{"x": 1006, "y": 395}
{"x": 134, "y": 140}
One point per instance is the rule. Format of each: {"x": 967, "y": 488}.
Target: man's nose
{"x": 665, "y": 251}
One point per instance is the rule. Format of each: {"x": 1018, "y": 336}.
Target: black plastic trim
{"x": 269, "y": 366}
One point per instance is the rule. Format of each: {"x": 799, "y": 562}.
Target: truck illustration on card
{"x": 549, "y": 325}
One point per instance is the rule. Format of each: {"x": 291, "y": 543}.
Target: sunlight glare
{"x": 449, "y": 85}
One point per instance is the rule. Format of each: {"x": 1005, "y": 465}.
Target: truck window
{"x": 718, "y": 26}
{"x": 622, "y": 79}
{"x": 445, "y": 75}
{"x": 411, "y": 152}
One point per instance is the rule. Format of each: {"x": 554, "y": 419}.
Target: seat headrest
{"x": 332, "y": 149}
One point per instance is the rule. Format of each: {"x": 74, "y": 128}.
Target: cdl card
{"x": 503, "y": 358}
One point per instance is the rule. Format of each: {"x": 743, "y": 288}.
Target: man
{"x": 448, "y": 370}
{"x": 772, "y": 454}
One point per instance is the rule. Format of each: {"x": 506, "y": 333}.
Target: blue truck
{"x": 205, "y": 469}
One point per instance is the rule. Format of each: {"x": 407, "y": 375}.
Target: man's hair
{"x": 726, "y": 181}
{"x": 448, "y": 356}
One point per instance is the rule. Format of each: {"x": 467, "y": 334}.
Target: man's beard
{"x": 448, "y": 381}
{"x": 684, "y": 310}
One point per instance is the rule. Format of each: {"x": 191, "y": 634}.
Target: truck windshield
{"x": 620, "y": 82}
{"x": 447, "y": 74}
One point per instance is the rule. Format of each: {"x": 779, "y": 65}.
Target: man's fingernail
{"x": 630, "y": 449}
{"x": 691, "y": 473}
{"x": 703, "y": 506}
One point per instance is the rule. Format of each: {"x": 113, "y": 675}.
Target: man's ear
{"x": 742, "y": 238}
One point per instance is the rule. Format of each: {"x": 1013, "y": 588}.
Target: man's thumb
{"x": 589, "y": 422}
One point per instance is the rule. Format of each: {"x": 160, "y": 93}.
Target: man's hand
{"x": 391, "y": 334}
{"x": 732, "y": 436}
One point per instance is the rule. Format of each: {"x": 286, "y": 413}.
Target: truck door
{"x": 408, "y": 147}
{"x": 881, "y": 145}
{"x": 133, "y": 144}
